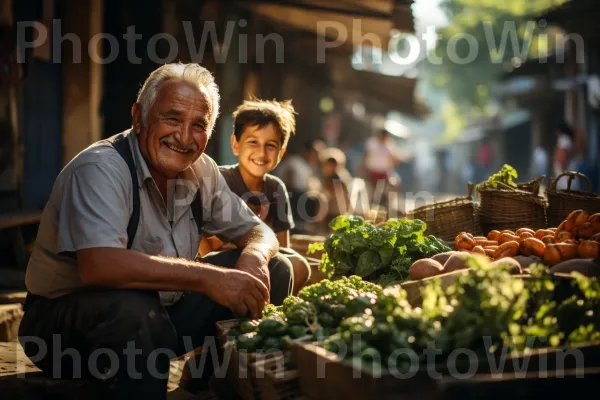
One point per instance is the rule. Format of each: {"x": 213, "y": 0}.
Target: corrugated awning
{"x": 345, "y": 20}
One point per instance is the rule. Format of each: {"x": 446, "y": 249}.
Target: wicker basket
{"x": 447, "y": 219}
{"x": 562, "y": 202}
{"x": 513, "y": 208}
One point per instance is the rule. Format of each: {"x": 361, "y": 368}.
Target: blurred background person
{"x": 300, "y": 172}
{"x": 485, "y": 160}
{"x": 335, "y": 181}
{"x": 563, "y": 153}
{"x": 540, "y": 165}
{"x": 381, "y": 159}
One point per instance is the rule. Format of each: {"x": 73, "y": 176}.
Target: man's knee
{"x": 141, "y": 318}
{"x": 281, "y": 267}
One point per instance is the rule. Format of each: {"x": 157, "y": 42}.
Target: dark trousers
{"x": 126, "y": 338}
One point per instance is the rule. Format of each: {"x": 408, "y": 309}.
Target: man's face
{"x": 176, "y": 131}
{"x": 259, "y": 150}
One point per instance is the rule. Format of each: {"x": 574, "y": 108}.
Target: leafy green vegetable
{"x": 380, "y": 254}
{"x": 504, "y": 178}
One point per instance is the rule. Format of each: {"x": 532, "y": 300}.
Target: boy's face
{"x": 259, "y": 149}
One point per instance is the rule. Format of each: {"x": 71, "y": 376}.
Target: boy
{"x": 261, "y": 133}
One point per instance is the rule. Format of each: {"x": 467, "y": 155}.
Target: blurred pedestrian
{"x": 335, "y": 180}
{"x": 563, "y": 153}
{"x": 381, "y": 159}
{"x": 300, "y": 174}
{"x": 485, "y": 160}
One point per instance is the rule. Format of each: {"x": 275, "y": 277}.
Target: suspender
{"x": 121, "y": 144}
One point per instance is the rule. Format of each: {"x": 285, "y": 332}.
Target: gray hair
{"x": 192, "y": 73}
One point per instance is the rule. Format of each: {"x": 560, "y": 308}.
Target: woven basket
{"x": 447, "y": 219}
{"x": 562, "y": 201}
{"x": 512, "y": 208}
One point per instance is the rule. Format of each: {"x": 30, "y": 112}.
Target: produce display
{"x": 314, "y": 314}
{"x": 487, "y": 311}
{"x": 576, "y": 237}
{"x": 511, "y": 314}
{"x": 381, "y": 254}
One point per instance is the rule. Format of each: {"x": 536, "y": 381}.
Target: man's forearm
{"x": 127, "y": 269}
{"x": 259, "y": 240}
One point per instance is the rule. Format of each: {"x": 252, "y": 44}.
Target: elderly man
{"x": 113, "y": 276}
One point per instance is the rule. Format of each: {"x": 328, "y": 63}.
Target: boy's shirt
{"x": 279, "y": 216}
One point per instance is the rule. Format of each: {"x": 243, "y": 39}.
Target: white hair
{"x": 192, "y": 73}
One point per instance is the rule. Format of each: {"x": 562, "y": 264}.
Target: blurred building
{"x": 562, "y": 86}
{"x": 81, "y": 63}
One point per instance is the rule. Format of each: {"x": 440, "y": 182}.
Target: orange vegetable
{"x": 540, "y": 233}
{"x": 595, "y": 221}
{"x": 548, "y": 239}
{"x": 532, "y": 246}
{"x": 576, "y": 219}
{"x": 525, "y": 235}
{"x": 588, "y": 249}
{"x": 479, "y": 238}
{"x": 558, "y": 252}
{"x": 486, "y": 243}
{"x": 507, "y": 249}
{"x": 561, "y": 228}
{"x": 464, "y": 242}
{"x": 586, "y": 231}
{"x": 478, "y": 249}
{"x": 508, "y": 237}
{"x": 489, "y": 252}
{"x": 521, "y": 230}
{"x": 493, "y": 235}
{"x": 507, "y": 231}
{"x": 563, "y": 236}
{"x": 596, "y": 238}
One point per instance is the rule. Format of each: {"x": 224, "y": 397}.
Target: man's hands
{"x": 256, "y": 264}
{"x": 239, "y": 291}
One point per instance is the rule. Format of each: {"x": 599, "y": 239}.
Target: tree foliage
{"x": 481, "y": 42}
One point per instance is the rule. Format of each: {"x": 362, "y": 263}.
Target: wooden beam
{"x": 361, "y": 12}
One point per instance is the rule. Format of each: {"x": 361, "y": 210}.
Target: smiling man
{"x": 113, "y": 274}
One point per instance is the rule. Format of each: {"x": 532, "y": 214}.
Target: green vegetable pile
{"x": 378, "y": 254}
{"x": 486, "y": 311}
{"x": 314, "y": 314}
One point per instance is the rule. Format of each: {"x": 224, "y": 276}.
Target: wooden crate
{"x": 322, "y": 376}
{"x": 223, "y": 328}
{"x": 556, "y": 385}
{"x": 276, "y": 380}
{"x": 242, "y": 372}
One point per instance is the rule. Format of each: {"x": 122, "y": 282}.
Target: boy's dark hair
{"x": 261, "y": 113}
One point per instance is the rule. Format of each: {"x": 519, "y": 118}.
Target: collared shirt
{"x": 91, "y": 204}
{"x": 274, "y": 198}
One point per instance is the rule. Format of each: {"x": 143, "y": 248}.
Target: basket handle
{"x": 572, "y": 175}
